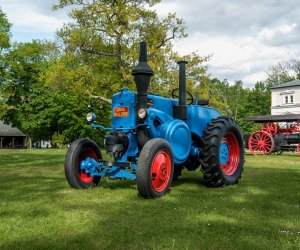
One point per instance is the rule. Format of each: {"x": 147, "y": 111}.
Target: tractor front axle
{"x": 112, "y": 169}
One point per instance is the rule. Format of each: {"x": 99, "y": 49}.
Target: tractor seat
{"x": 203, "y": 102}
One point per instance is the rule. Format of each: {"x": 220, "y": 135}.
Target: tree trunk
{"x": 30, "y": 142}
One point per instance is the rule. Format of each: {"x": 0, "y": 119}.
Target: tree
{"x": 103, "y": 44}
{"x": 283, "y": 72}
{"x": 50, "y": 88}
{"x": 25, "y": 62}
{"x": 257, "y": 102}
{"x": 5, "y": 36}
{"x": 100, "y": 48}
{"x": 56, "y": 112}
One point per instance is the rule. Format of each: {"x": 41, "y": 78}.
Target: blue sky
{"x": 244, "y": 37}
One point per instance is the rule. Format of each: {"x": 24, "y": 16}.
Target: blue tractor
{"x": 152, "y": 138}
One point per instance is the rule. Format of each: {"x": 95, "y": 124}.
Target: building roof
{"x": 274, "y": 118}
{"x": 293, "y": 83}
{"x": 7, "y": 130}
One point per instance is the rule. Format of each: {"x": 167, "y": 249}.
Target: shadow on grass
{"x": 193, "y": 177}
{"x": 117, "y": 184}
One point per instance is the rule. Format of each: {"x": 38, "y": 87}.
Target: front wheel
{"x": 77, "y": 152}
{"x": 155, "y": 169}
{"x": 222, "y": 152}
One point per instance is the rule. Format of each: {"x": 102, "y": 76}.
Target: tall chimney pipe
{"x": 180, "y": 111}
{"x": 182, "y": 82}
{"x": 142, "y": 73}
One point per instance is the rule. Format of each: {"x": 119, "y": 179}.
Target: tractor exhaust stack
{"x": 142, "y": 73}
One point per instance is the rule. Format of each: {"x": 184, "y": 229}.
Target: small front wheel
{"x": 78, "y": 151}
{"x": 155, "y": 169}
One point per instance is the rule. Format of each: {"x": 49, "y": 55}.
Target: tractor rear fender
{"x": 199, "y": 117}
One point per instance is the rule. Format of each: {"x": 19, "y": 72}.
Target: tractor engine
{"x": 116, "y": 144}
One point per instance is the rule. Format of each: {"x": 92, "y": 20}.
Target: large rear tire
{"x": 222, "y": 152}
{"x": 155, "y": 169}
{"x": 78, "y": 151}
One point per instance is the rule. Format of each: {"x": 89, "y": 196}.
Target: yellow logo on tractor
{"x": 121, "y": 112}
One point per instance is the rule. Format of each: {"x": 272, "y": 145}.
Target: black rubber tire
{"x": 143, "y": 174}
{"x": 214, "y": 176}
{"x": 76, "y": 150}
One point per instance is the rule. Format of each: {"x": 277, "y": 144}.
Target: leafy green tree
{"x": 25, "y": 62}
{"x": 100, "y": 48}
{"x": 283, "y": 72}
{"x": 236, "y": 98}
{"x": 257, "y": 102}
{"x": 101, "y": 45}
{"x": 216, "y": 92}
{"x": 5, "y": 36}
{"x": 61, "y": 113}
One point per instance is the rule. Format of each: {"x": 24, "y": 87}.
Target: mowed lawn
{"x": 39, "y": 210}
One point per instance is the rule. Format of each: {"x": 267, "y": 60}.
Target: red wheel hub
{"x": 231, "y": 149}
{"x": 161, "y": 171}
{"x": 269, "y": 127}
{"x": 85, "y": 153}
{"x": 261, "y": 142}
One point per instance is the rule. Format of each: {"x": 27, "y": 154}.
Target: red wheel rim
{"x": 161, "y": 171}
{"x": 261, "y": 143}
{"x": 269, "y": 127}
{"x": 232, "y": 149}
{"x": 85, "y": 153}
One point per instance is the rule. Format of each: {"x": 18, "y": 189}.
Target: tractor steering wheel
{"x": 190, "y": 98}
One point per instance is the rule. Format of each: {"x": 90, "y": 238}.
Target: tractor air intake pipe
{"x": 180, "y": 111}
{"x": 182, "y": 82}
{"x": 142, "y": 73}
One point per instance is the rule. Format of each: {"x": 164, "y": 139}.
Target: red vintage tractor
{"x": 278, "y": 133}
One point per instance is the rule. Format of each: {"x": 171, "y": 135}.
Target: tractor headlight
{"x": 90, "y": 117}
{"x": 142, "y": 113}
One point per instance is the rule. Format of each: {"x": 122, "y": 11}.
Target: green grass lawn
{"x": 39, "y": 210}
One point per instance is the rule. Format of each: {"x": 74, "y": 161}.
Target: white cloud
{"x": 268, "y": 34}
{"x": 245, "y": 37}
{"x": 33, "y": 17}
{"x": 29, "y": 20}
{"x": 234, "y": 58}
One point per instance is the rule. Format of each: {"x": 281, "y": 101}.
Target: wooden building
{"x": 11, "y": 137}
